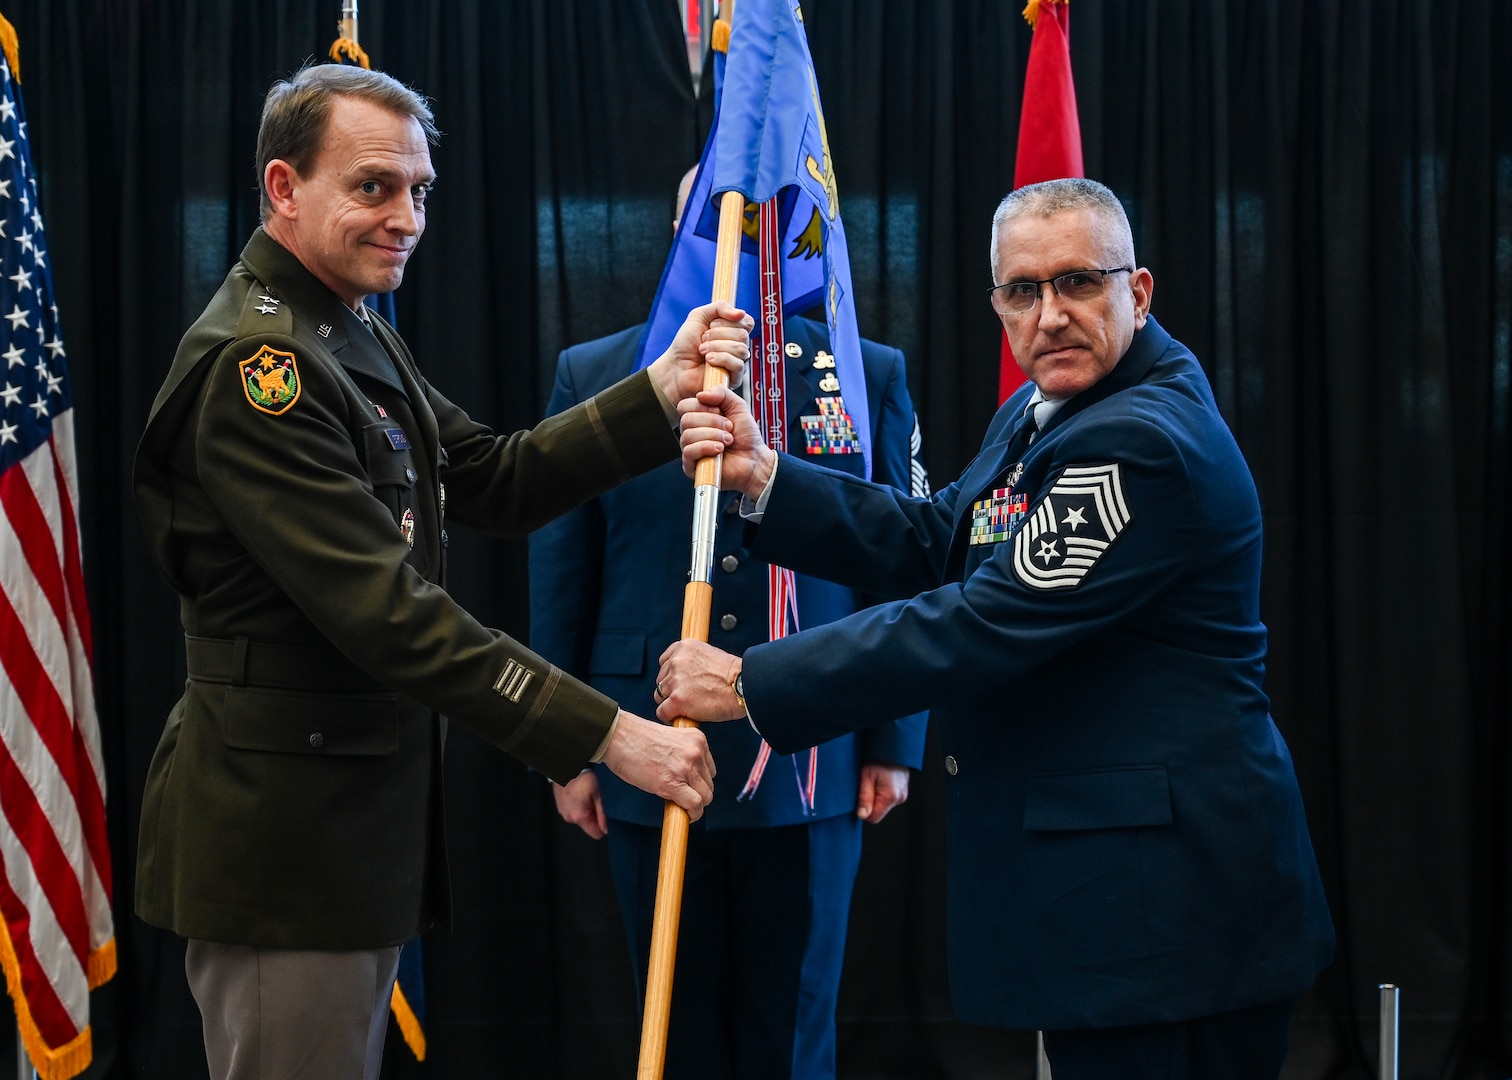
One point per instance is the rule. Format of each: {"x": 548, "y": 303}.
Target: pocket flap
{"x": 387, "y": 463}
{"x": 1103, "y": 799}
{"x": 288, "y": 722}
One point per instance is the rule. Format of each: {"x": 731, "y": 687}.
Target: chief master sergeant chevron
{"x": 293, "y": 480}
{"x": 1129, "y": 864}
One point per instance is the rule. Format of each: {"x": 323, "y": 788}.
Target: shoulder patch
{"x": 271, "y": 379}
{"x": 1076, "y": 521}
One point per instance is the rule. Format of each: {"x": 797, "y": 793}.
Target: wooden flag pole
{"x": 698, "y": 599}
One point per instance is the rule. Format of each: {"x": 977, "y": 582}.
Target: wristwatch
{"x": 737, "y": 686}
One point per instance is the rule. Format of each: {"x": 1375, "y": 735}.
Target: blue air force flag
{"x": 768, "y": 141}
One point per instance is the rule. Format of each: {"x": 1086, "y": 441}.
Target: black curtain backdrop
{"x": 1323, "y": 190}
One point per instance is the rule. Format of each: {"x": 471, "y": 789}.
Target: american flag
{"x": 56, "y": 939}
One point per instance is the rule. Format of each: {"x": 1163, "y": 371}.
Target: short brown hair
{"x": 297, "y": 109}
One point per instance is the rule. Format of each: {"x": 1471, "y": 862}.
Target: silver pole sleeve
{"x": 1390, "y": 1016}
{"x": 705, "y": 518}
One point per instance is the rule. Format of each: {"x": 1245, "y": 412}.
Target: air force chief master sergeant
{"x": 1130, "y": 869}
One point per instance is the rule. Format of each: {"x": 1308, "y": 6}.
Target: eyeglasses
{"x": 1078, "y": 286}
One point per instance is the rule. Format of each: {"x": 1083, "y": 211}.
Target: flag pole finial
{"x": 1032, "y": 9}
{"x": 345, "y": 50}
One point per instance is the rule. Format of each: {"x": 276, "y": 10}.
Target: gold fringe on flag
{"x": 101, "y": 966}
{"x": 12, "y": 46}
{"x": 347, "y": 51}
{"x": 51, "y": 1062}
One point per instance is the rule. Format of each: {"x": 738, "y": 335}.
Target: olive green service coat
{"x": 292, "y": 480}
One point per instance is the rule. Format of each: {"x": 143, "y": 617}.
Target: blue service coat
{"x": 606, "y": 588}
{"x": 1127, "y": 842}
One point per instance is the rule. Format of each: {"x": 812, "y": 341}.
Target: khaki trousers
{"x": 292, "y": 1014}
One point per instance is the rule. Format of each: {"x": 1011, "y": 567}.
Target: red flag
{"x": 1049, "y": 140}
{"x": 57, "y": 939}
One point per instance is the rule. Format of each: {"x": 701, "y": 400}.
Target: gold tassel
{"x": 1032, "y": 9}
{"x": 345, "y": 49}
{"x": 12, "y": 46}
{"x": 409, "y": 1023}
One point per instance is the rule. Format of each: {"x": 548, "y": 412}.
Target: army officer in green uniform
{"x": 295, "y": 479}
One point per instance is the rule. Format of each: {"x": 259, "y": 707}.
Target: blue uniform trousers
{"x": 761, "y": 942}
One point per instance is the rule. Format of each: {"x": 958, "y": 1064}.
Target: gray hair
{"x": 297, "y": 109}
{"x": 1075, "y": 193}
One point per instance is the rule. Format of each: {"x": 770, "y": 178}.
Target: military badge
{"x": 1072, "y": 526}
{"x": 996, "y": 519}
{"x": 407, "y": 527}
{"x": 832, "y": 431}
{"x": 271, "y": 379}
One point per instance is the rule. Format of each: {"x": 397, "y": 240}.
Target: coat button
{"x": 730, "y": 564}
{"x": 950, "y": 764}
{"x": 409, "y": 474}
{"x": 733, "y": 506}
{"x": 728, "y": 622}
{"x": 317, "y": 740}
